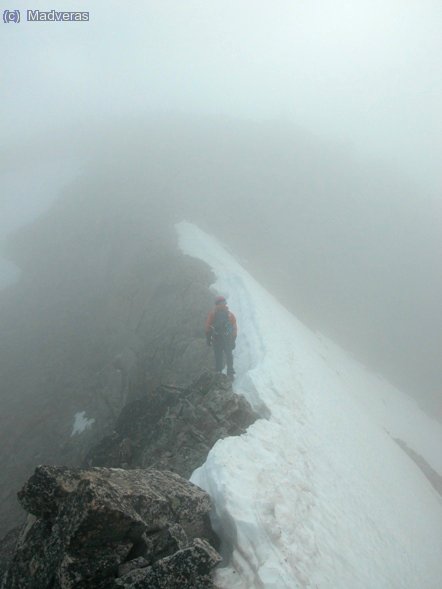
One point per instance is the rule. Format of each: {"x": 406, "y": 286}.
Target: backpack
{"x": 221, "y": 326}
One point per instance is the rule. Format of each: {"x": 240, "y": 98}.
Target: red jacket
{"x": 211, "y": 317}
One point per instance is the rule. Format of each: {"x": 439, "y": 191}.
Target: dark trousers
{"x": 222, "y": 348}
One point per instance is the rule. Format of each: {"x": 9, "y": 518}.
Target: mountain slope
{"x": 105, "y": 309}
{"x": 318, "y": 494}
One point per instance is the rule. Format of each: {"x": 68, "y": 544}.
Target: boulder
{"x": 186, "y": 569}
{"x": 90, "y": 528}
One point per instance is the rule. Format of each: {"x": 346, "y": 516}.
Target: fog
{"x": 352, "y": 91}
{"x": 365, "y": 74}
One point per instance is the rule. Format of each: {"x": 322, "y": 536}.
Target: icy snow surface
{"x": 81, "y": 423}
{"x": 318, "y": 494}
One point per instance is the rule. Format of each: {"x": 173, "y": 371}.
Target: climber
{"x": 221, "y": 331}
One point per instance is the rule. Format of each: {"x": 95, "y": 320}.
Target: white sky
{"x": 365, "y": 74}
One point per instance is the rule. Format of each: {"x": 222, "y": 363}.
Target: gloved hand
{"x": 209, "y": 340}
{"x": 233, "y": 344}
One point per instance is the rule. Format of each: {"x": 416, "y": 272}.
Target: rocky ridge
{"x": 106, "y": 310}
{"x": 112, "y": 528}
{"x": 174, "y": 428}
{"x": 126, "y": 520}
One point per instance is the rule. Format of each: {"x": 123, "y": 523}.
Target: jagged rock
{"x": 163, "y": 542}
{"x": 127, "y": 314}
{"x": 131, "y": 565}
{"x": 97, "y": 523}
{"x": 7, "y": 549}
{"x": 174, "y": 428}
{"x": 186, "y": 569}
{"x": 87, "y": 527}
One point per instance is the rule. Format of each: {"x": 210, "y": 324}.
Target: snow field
{"x": 81, "y": 423}
{"x": 317, "y": 494}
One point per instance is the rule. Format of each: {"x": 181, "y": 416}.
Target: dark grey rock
{"x": 174, "y": 428}
{"x": 135, "y": 563}
{"x": 7, "y": 549}
{"x": 87, "y": 527}
{"x": 127, "y": 314}
{"x": 186, "y": 569}
{"x": 94, "y": 567}
{"x": 155, "y": 545}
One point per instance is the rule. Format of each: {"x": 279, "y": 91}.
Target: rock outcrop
{"x": 111, "y": 528}
{"x": 7, "y": 549}
{"x": 174, "y": 428}
{"x": 106, "y": 309}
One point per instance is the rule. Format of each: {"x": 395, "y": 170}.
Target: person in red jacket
{"x": 221, "y": 331}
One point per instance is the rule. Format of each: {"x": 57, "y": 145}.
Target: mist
{"x": 331, "y": 111}
{"x": 365, "y": 75}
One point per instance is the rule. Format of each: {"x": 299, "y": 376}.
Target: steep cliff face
{"x": 106, "y": 309}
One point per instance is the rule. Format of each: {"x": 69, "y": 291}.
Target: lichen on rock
{"x": 86, "y": 527}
